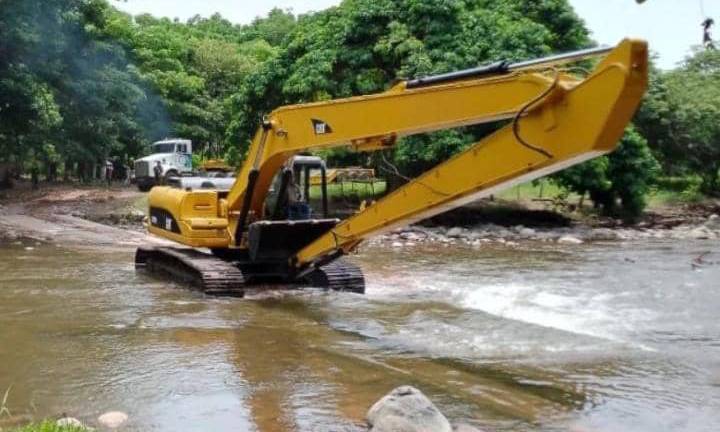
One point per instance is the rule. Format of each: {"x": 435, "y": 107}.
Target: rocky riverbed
{"x": 483, "y": 234}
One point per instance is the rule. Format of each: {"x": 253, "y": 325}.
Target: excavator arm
{"x": 571, "y": 123}
{"x": 555, "y": 119}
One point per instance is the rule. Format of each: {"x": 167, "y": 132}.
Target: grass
{"x": 531, "y": 190}
{"x": 662, "y": 198}
{"x": 4, "y": 411}
{"x": 361, "y": 190}
{"x": 543, "y": 189}
{"x": 47, "y": 426}
{"x": 546, "y": 189}
{"x": 676, "y": 190}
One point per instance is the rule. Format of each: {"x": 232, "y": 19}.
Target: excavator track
{"x": 339, "y": 275}
{"x": 216, "y": 276}
{"x": 200, "y": 270}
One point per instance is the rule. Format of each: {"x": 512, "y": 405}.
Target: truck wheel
{"x": 171, "y": 174}
{"x": 144, "y": 187}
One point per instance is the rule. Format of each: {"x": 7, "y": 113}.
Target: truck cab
{"x": 175, "y": 160}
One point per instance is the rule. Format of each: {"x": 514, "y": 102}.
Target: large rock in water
{"x": 455, "y": 232}
{"x": 406, "y": 409}
{"x": 569, "y": 240}
{"x": 713, "y": 222}
{"x": 702, "y": 233}
{"x": 113, "y": 419}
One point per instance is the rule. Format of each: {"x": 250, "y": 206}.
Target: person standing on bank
{"x": 157, "y": 170}
{"x": 109, "y": 171}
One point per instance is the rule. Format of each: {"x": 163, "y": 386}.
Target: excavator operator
{"x": 298, "y": 207}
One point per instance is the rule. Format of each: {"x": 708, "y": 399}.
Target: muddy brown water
{"x": 601, "y": 337}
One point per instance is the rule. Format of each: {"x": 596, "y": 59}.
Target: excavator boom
{"x": 554, "y": 120}
{"x": 571, "y": 124}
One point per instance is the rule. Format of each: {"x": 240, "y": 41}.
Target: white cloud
{"x": 671, "y": 27}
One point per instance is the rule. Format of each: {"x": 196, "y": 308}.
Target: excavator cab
{"x": 295, "y": 179}
{"x": 292, "y": 219}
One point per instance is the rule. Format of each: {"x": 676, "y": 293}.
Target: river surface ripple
{"x": 598, "y": 337}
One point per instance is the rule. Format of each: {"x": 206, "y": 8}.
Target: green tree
{"x": 81, "y": 81}
{"x": 617, "y": 183}
{"x": 694, "y": 95}
{"x": 655, "y": 120}
{"x": 272, "y": 29}
{"x": 195, "y": 67}
{"x": 66, "y": 88}
{"x": 364, "y": 46}
{"x": 680, "y": 115}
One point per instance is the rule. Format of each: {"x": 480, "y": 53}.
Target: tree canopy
{"x": 66, "y": 90}
{"x": 680, "y": 118}
{"x": 81, "y": 81}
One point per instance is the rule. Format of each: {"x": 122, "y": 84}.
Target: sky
{"x": 670, "y": 26}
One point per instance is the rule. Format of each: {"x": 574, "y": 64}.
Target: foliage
{"x": 196, "y": 67}
{"x": 48, "y": 426}
{"x": 632, "y": 171}
{"x": 81, "y": 82}
{"x": 66, "y": 91}
{"x": 355, "y": 191}
{"x": 364, "y": 46}
{"x": 272, "y": 29}
{"x": 680, "y": 118}
{"x": 3, "y": 404}
{"x": 618, "y": 183}
{"x": 679, "y": 183}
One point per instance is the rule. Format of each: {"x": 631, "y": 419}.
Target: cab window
{"x": 163, "y": 148}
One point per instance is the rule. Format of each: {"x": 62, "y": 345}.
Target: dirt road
{"x": 65, "y": 216}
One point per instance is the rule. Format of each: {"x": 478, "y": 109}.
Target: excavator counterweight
{"x": 262, "y": 228}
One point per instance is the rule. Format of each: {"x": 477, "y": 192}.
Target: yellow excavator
{"x": 241, "y": 237}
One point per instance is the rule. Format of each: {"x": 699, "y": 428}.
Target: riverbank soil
{"x": 504, "y": 327}
{"x": 113, "y": 216}
{"x": 75, "y": 216}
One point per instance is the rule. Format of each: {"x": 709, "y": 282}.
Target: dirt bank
{"x": 71, "y": 215}
{"x": 112, "y": 217}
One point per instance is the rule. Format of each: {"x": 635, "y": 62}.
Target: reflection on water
{"x": 598, "y": 338}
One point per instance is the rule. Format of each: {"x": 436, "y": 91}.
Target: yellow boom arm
{"x": 557, "y": 120}
{"x": 573, "y": 123}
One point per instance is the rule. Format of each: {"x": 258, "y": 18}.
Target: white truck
{"x": 174, "y": 156}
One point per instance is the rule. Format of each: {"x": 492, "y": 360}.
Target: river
{"x": 620, "y": 336}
